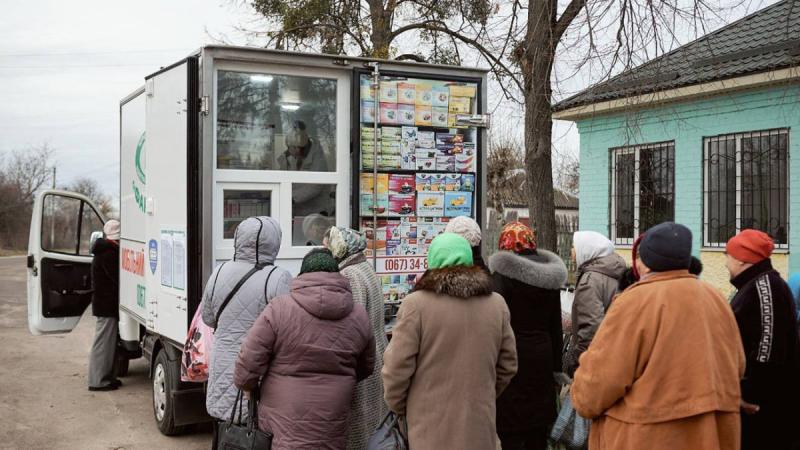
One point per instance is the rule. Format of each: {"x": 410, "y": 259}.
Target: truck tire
{"x": 166, "y": 377}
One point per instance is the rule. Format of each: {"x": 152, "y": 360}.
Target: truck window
{"x": 67, "y": 225}
{"x": 90, "y": 223}
{"x": 241, "y": 204}
{"x": 275, "y": 122}
{"x": 313, "y": 212}
{"x": 60, "y": 224}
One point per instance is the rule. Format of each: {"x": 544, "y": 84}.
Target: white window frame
{"x": 282, "y": 202}
{"x": 738, "y": 139}
{"x": 615, "y": 152}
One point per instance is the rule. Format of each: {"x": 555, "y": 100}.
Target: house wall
{"x": 687, "y": 124}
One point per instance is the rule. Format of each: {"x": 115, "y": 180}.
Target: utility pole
{"x": 54, "y": 177}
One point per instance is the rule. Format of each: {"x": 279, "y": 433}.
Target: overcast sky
{"x": 64, "y": 66}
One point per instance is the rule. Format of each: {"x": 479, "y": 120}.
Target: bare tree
{"x": 521, "y": 41}
{"x": 22, "y": 174}
{"x": 567, "y": 172}
{"x": 89, "y": 187}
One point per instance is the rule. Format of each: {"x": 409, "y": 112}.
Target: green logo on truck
{"x": 140, "y": 161}
{"x": 140, "y": 290}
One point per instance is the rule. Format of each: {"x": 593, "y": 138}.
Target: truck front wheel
{"x": 166, "y": 376}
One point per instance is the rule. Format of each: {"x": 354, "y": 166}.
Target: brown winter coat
{"x": 663, "y": 369}
{"x": 452, "y": 353}
{"x": 311, "y": 346}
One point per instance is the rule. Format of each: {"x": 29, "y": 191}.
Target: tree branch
{"x": 569, "y": 14}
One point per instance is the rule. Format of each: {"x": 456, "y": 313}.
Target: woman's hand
{"x": 748, "y": 408}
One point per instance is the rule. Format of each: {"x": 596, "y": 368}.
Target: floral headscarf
{"x": 344, "y": 242}
{"x": 517, "y": 237}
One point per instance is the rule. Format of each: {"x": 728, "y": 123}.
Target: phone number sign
{"x": 401, "y": 264}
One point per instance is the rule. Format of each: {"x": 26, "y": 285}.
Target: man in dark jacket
{"x": 105, "y": 307}
{"x": 765, "y": 313}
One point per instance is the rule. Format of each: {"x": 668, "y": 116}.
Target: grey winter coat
{"x": 367, "y": 408}
{"x": 256, "y": 241}
{"x": 597, "y": 284}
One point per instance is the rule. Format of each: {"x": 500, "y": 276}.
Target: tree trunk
{"x": 381, "y": 36}
{"x": 537, "y": 64}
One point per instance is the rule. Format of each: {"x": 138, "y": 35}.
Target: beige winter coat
{"x": 452, "y": 353}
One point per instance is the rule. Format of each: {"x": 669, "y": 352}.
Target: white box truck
{"x": 392, "y": 148}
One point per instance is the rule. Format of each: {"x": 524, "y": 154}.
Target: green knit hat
{"x": 319, "y": 260}
{"x": 447, "y": 250}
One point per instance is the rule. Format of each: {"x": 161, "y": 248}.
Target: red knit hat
{"x": 634, "y": 254}
{"x": 750, "y": 246}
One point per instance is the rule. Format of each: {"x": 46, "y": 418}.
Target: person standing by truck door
{"x": 105, "y": 307}
{"x": 256, "y": 244}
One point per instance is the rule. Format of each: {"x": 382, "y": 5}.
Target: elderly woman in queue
{"x": 452, "y": 353}
{"x": 308, "y": 348}
{"x": 256, "y": 244}
{"x": 368, "y": 408}
{"x": 529, "y": 279}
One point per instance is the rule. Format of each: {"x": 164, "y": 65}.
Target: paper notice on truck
{"x": 166, "y": 260}
{"x": 179, "y": 261}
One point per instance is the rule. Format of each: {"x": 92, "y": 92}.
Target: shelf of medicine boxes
{"x": 412, "y": 172}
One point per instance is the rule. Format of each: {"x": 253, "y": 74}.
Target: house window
{"x": 642, "y": 189}
{"x": 746, "y": 185}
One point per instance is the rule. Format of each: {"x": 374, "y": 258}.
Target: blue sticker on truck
{"x": 153, "y": 253}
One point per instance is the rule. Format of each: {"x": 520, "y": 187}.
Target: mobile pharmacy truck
{"x": 391, "y": 148}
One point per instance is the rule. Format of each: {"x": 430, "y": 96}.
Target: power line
{"x": 116, "y": 52}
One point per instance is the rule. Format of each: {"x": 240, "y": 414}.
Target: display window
{"x": 418, "y": 169}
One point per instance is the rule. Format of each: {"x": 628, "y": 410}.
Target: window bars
{"x": 746, "y": 185}
{"x": 642, "y": 189}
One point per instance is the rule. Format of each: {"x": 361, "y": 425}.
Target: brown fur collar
{"x": 456, "y": 281}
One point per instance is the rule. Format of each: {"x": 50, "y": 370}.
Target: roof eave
{"x": 682, "y": 93}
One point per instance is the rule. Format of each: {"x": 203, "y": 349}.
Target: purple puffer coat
{"x": 311, "y": 346}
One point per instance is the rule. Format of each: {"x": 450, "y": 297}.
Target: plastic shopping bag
{"x": 197, "y": 350}
{"x": 570, "y": 429}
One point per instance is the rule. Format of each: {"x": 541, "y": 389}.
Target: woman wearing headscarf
{"x": 599, "y": 272}
{"x": 308, "y": 348}
{"x": 367, "y": 408}
{"x": 452, "y": 353}
{"x": 529, "y": 279}
{"x": 469, "y": 229}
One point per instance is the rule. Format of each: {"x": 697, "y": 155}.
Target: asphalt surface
{"x": 44, "y": 401}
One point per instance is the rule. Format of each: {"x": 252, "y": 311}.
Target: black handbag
{"x": 240, "y": 435}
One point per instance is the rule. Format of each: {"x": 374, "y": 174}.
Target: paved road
{"x": 44, "y": 401}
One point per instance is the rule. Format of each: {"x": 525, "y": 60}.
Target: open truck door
{"x": 60, "y": 260}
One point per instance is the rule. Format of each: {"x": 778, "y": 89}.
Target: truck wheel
{"x": 166, "y": 377}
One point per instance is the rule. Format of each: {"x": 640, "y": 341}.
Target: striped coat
{"x": 368, "y": 407}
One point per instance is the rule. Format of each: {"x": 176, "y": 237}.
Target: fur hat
{"x": 465, "y": 227}
{"x": 111, "y": 229}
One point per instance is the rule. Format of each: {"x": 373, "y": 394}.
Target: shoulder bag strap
{"x": 233, "y": 291}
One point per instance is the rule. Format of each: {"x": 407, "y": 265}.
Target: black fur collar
{"x": 456, "y": 281}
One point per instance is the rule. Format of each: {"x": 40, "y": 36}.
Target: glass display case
{"x": 418, "y": 168}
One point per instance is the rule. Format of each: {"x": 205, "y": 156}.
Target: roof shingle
{"x": 766, "y": 40}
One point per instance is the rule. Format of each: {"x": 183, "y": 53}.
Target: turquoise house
{"x": 707, "y": 135}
